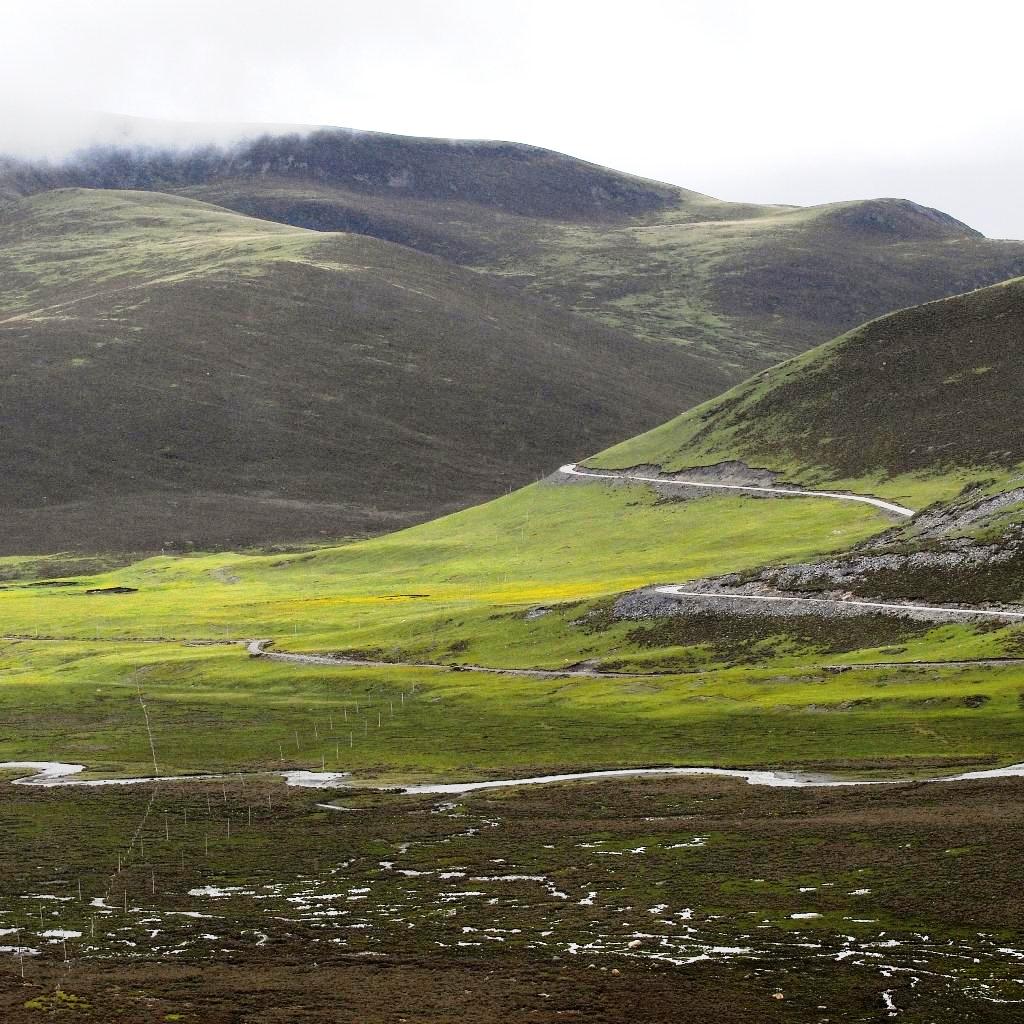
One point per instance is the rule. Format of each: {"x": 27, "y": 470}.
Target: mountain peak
{"x": 895, "y": 219}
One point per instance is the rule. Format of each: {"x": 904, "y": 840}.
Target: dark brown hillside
{"x": 171, "y": 373}
{"x": 741, "y": 287}
{"x": 525, "y": 180}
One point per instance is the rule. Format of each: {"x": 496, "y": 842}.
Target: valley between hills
{"x": 327, "y": 410}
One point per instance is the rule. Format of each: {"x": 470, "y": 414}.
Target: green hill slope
{"x": 929, "y": 390}
{"x": 921, "y": 406}
{"x": 173, "y": 373}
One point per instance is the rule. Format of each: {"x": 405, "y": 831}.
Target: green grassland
{"x": 709, "y": 690}
{"x": 216, "y": 711}
{"x": 528, "y": 581}
{"x": 541, "y": 544}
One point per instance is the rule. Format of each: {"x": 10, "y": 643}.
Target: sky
{"x": 785, "y": 101}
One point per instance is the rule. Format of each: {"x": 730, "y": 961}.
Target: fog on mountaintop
{"x": 31, "y": 132}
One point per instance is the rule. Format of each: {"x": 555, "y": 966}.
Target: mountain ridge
{"x": 742, "y": 285}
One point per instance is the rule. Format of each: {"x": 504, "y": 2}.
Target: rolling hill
{"x": 741, "y": 286}
{"x": 174, "y": 374}
{"x": 931, "y": 390}
{"x": 171, "y": 371}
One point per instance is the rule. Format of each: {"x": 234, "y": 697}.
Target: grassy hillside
{"x": 740, "y": 286}
{"x": 541, "y": 544}
{"x": 746, "y": 287}
{"x": 175, "y": 374}
{"x": 930, "y": 391}
{"x": 920, "y": 406}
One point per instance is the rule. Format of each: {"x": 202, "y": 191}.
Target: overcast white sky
{"x": 780, "y": 100}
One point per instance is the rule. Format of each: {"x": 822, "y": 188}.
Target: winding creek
{"x": 57, "y": 773}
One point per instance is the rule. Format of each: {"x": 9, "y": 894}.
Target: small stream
{"x": 57, "y": 773}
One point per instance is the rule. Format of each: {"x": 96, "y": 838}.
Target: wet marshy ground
{"x": 647, "y": 897}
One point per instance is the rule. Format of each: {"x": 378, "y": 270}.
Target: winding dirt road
{"x": 937, "y": 613}
{"x": 572, "y": 469}
{"x": 258, "y": 649}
